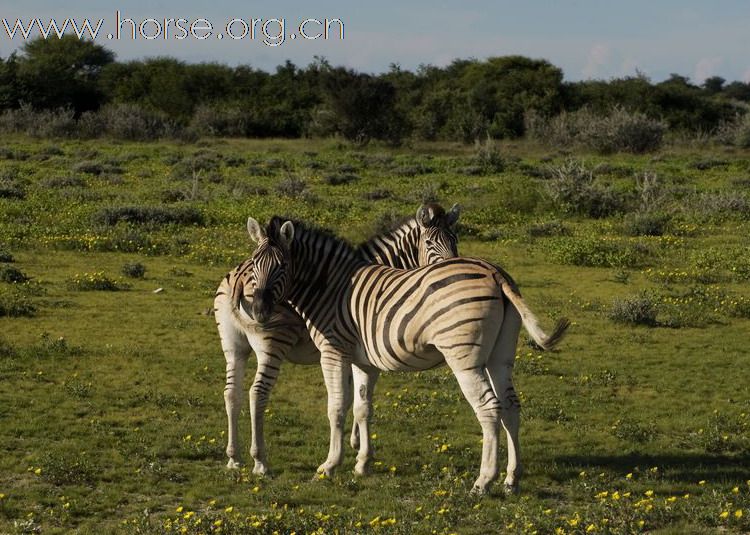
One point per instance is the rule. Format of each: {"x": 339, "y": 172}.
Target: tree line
{"x": 467, "y": 100}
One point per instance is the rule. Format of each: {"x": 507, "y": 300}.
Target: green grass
{"x": 111, "y": 402}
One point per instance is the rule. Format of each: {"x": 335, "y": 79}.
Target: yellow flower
{"x": 375, "y": 521}
{"x": 590, "y": 528}
{"x": 736, "y": 490}
{"x": 629, "y": 476}
{"x": 38, "y": 471}
{"x": 724, "y": 515}
{"x": 256, "y": 489}
{"x": 641, "y": 523}
{"x": 2, "y": 496}
{"x": 649, "y": 493}
{"x": 218, "y": 522}
{"x": 702, "y": 482}
{"x": 738, "y": 513}
{"x": 179, "y": 509}
{"x": 229, "y": 509}
{"x": 672, "y": 499}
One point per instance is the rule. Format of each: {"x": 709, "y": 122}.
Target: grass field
{"x": 111, "y": 396}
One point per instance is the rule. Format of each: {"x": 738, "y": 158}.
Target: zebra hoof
{"x": 511, "y": 489}
{"x": 324, "y": 471}
{"x": 234, "y": 465}
{"x": 260, "y": 469}
{"x": 362, "y": 468}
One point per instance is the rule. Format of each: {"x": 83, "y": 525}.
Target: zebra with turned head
{"x": 462, "y": 311}
{"x": 278, "y": 333}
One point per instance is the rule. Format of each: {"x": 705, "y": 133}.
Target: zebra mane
{"x": 405, "y": 225}
{"x": 302, "y": 228}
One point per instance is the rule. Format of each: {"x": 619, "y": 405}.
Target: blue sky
{"x": 586, "y": 38}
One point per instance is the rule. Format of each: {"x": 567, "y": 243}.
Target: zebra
{"x": 427, "y": 237}
{"x": 463, "y": 312}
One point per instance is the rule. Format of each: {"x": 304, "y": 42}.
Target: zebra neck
{"x": 322, "y": 264}
{"x": 398, "y": 248}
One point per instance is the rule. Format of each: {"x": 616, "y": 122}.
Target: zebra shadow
{"x": 678, "y": 468}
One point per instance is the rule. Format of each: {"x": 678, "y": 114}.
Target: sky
{"x": 588, "y": 39}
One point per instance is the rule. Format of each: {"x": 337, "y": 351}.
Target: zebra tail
{"x": 531, "y": 322}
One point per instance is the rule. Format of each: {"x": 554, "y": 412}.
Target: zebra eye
{"x": 429, "y": 243}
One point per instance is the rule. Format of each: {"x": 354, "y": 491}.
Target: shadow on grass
{"x": 681, "y": 468}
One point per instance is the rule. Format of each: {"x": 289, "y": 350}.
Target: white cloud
{"x": 598, "y": 57}
{"x": 706, "y": 68}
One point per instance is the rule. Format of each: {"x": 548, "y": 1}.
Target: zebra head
{"x": 438, "y": 240}
{"x": 272, "y": 272}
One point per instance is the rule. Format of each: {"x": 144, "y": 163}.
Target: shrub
{"x": 291, "y": 186}
{"x": 488, "y": 157}
{"x": 96, "y": 281}
{"x": 156, "y": 215}
{"x": 723, "y": 205}
{"x": 63, "y": 182}
{"x": 735, "y": 132}
{"x": 15, "y": 303}
{"x": 378, "y": 195}
{"x": 134, "y": 270}
{"x": 550, "y": 228}
{"x": 597, "y": 252}
{"x": 5, "y": 256}
{"x": 11, "y": 187}
{"x": 636, "y": 310}
{"x": 340, "y": 179}
{"x": 646, "y": 224}
{"x": 573, "y": 189}
{"x": 633, "y": 431}
{"x": 619, "y": 131}
{"x": 66, "y": 469}
{"x": 12, "y": 274}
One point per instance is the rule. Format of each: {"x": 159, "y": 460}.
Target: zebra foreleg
{"x": 364, "y": 384}
{"x": 265, "y": 378}
{"x": 236, "y": 358}
{"x": 337, "y": 374}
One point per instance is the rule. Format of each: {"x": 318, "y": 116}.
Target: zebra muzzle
{"x": 262, "y": 305}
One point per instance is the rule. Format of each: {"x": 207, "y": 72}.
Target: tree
{"x": 9, "y": 92}
{"x": 714, "y": 84}
{"x": 362, "y": 106}
{"x": 62, "y": 73}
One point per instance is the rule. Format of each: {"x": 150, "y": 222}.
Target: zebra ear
{"x": 257, "y": 234}
{"x": 425, "y": 215}
{"x": 286, "y": 233}
{"x": 453, "y": 214}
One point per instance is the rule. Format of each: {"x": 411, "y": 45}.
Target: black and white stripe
{"x": 461, "y": 311}
{"x": 246, "y": 296}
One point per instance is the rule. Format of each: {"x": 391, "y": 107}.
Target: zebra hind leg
{"x": 500, "y": 371}
{"x": 364, "y": 385}
{"x": 478, "y": 391}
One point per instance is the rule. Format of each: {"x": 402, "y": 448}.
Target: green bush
{"x": 598, "y": 252}
{"x": 156, "y": 215}
{"x": 573, "y": 189}
{"x": 134, "y": 270}
{"x": 15, "y": 303}
{"x": 646, "y": 224}
{"x": 636, "y": 310}
{"x": 96, "y": 281}
{"x": 618, "y": 131}
{"x": 12, "y": 275}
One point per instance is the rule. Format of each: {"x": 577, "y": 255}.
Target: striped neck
{"x": 398, "y": 248}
